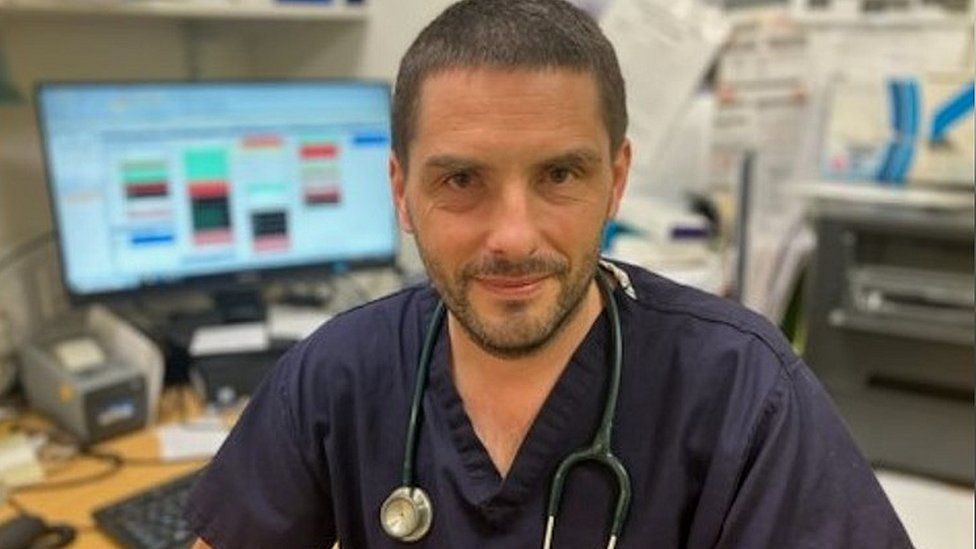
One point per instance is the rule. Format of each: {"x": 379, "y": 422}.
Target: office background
{"x": 715, "y": 73}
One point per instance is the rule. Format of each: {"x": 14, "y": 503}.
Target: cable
{"x": 56, "y": 535}
{"x": 53, "y": 435}
{"x": 115, "y": 465}
{"x": 53, "y": 535}
{"x": 142, "y": 461}
{"x": 153, "y": 462}
{"x": 114, "y": 461}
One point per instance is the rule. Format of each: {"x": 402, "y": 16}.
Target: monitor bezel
{"x": 207, "y": 282}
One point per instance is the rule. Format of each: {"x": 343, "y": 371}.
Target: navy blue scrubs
{"x": 728, "y": 438}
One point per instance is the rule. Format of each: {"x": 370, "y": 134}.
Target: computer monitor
{"x": 156, "y": 185}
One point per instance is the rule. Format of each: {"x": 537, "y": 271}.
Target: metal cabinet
{"x": 890, "y": 309}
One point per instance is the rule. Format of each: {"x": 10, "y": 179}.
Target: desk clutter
{"x": 119, "y": 409}
{"x": 131, "y": 489}
{"x": 98, "y": 371}
{"x": 97, "y": 376}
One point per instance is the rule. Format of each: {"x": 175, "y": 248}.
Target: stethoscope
{"x": 407, "y": 514}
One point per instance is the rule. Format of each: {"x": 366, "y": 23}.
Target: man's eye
{"x": 460, "y": 180}
{"x": 560, "y": 175}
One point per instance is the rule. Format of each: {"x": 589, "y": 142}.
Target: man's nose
{"x": 514, "y": 223}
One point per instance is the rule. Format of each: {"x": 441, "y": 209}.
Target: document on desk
{"x": 197, "y": 439}
{"x": 18, "y": 461}
{"x": 230, "y": 338}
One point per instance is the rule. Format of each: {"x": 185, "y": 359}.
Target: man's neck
{"x": 503, "y": 396}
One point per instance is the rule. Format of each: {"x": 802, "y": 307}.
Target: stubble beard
{"x": 519, "y": 334}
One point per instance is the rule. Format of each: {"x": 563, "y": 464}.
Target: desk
{"x": 74, "y": 505}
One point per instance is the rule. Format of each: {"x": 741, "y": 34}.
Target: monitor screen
{"x": 161, "y": 183}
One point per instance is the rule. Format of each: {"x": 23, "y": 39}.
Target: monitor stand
{"x": 174, "y": 330}
{"x": 239, "y": 304}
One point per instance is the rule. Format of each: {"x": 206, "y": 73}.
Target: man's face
{"x": 511, "y": 180}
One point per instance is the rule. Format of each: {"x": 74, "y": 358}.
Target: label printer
{"x": 94, "y": 374}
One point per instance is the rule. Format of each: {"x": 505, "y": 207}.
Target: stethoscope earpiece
{"x": 406, "y": 515}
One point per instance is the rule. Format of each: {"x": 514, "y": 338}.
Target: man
{"x": 509, "y": 156}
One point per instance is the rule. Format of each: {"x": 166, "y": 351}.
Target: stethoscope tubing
{"x": 599, "y": 450}
{"x": 423, "y": 372}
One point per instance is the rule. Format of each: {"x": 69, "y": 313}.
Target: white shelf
{"x": 826, "y": 18}
{"x": 910, "y": 19}
{"x": 956, "y": 199}
{"x": 191, "y": 9}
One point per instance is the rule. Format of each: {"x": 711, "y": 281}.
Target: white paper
{"x": 286, "y": 322}
{"x": 190, "y": 441}
{"x": 79, "y": 354}
{"x": 691, "y": 264}
{"x": 764, "y": 83}
{"x": 664, "y": 48}
{"x": 779, "y": 249}
{"x": 683, "y": 160}
{"x": 18, "y": 461}
{"x": 229, "y": 338}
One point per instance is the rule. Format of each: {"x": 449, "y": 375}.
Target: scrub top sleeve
{"x": 268, "y": 485}
{"x": 803, "y": 483}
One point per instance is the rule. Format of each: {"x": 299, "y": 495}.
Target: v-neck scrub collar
{"x": 565, "y": 422}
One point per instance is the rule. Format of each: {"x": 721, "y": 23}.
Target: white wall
{"x": 389, "y": 34}
{"x": 59, "y": 49}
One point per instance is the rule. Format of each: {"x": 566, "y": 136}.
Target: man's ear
{"x": 620, "y": 169}
{"x": 398, "y": 188}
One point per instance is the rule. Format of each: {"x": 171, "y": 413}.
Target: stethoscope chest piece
{"x": 406, "y": 515}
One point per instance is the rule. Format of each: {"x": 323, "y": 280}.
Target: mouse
{"x": 28, "y": 531}
{"x": 21, "y": 532}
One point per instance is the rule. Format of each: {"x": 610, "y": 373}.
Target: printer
{"x": 93, "y": 374}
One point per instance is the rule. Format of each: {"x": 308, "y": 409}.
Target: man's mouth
{"x": 512, "y": 287}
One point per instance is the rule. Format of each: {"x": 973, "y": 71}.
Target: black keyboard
{"x": 151, "y": 519}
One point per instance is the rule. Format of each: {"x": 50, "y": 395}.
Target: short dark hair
{"x": 509, "y": 34}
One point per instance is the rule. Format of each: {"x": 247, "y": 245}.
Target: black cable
{"x": 24, "y": 248}
{"x": 62, "y": 534}
{"x": 142, "y": 461}
{"x": 56, "y": 535}
{"x": 115, "y": 465}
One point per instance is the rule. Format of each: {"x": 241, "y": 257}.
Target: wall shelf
{"x": 190, "y": 9}
{"x": 957, "y": 198}
{"x": 917, "y": 19}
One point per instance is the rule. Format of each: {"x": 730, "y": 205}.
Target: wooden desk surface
{"x": 74, "y": 505}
